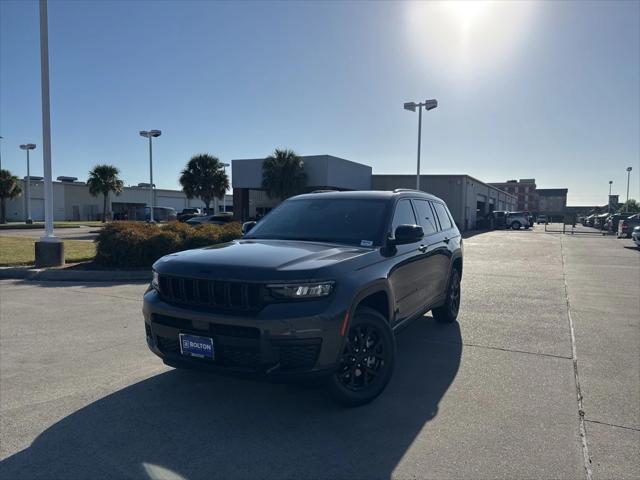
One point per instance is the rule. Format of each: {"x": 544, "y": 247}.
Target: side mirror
{"x": 246, "y": 226}
{"x": 408, "y": 234}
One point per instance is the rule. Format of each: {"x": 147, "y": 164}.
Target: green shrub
{"x": 138, "y": 244}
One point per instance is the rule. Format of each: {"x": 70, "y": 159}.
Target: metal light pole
{"x": 427, "y": 105}
{"x": 49, "y": 250}
{"x": 150, "y": 134}
{"x": 27, "y": 147}
{"x": 609, "y": 199}
{"x": 224, "y": 197}
{"x": 626, "y": 205}
{"x": 1, "y": 153}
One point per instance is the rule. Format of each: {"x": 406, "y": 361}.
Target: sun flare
{"x": 467, "y": 37}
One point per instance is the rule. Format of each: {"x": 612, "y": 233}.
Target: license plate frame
{"x": 196, "y": 346}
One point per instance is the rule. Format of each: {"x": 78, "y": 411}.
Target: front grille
{"x": 225, "y": 355}
{"x": 213, "y": 293}
{"x": 213, "y": 328}
{"x": 299, "y": 355}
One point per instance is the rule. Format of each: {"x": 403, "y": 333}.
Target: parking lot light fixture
{"x": 224, "y": 197}
{"x": 427, "y": 105}
{"x": 609, "y": 198}
{"x": 150, "y": 134}
{"x": 27, "y": 147}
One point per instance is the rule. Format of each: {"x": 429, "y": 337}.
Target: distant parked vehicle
{"x": 614, "y": 220}
{"x": 499, "y": 218}
{"x": 601, "y": 221}
{"x": 517, "y": 220}
{"x": 590, "y": 220}
{"x": 218, "y": 219}
{"x": 188, "y": 213}
{"x": 542, "y": 219}
{"x": 636, "y": 236}
{"x": 626, "y": 226}
{"x": 160, "y": 214}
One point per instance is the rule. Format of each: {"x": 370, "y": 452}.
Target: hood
{"x": 258, "y": 260}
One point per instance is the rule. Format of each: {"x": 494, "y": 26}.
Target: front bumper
{"x": 268, "y": 344}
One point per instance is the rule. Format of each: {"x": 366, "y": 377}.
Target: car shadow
{"x": 194, "y": 425}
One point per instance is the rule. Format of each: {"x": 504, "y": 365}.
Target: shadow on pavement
{"x": 193, "y": 425}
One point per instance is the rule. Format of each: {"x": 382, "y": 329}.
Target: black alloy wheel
{"x": 448, "y": 312}
{"x": 367, "y": 359}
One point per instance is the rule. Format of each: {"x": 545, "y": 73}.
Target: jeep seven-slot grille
{"x": 214, "y": 293}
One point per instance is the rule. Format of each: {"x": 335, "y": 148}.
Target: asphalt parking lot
{"x": 540, "y": 379}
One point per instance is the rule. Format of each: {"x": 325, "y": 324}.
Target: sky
{"x": 544, "y": 90}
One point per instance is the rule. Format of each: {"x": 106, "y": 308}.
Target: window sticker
{"x": 366, "y": 243}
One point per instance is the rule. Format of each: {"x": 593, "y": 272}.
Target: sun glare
{"x": 467, "y": 38}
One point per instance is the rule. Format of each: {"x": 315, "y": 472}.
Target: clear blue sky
{"x": 548, "y": 90}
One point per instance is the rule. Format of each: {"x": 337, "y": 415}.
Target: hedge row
{"x": 138, "y": 244}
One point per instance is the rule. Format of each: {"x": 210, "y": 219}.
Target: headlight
{"x": 301, "y": 290}
{"x": 155, "y": 281}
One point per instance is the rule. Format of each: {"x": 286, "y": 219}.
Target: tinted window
{"x": 425, "y": 217}
{"x": 443, "y": 216}
{"x": 403, "y": 215}
{"x": 345, "y": 220}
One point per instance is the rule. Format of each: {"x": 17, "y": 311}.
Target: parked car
{"x": 188, "y": 213}
{"x": 614, "y": 220}
{"x": 517, "y": 220}
{"x": 635, "y": 235}
{"x": 218, "y": 219}
{"x": 542, "y": 219}
{"x": 317, "y": 288}
{"x": 498, "y": 218}
{"x": 160, "y": 214}
{"x": 601, "y": 221}
{"x": 626, "y": 226}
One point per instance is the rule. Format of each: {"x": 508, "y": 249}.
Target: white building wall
{"x": 72, "y": 201}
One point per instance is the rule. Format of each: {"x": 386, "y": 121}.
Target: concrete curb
{"x": 62, "y": 275}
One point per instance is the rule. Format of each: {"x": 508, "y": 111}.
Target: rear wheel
{"x": 516, "y": 225}
{"x": 367, "y": 360}
{"x": 448, "y": 312}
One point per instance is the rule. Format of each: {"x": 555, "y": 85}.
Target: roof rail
{"x": 398, "y": 190}
{"x": 324, "y": 191}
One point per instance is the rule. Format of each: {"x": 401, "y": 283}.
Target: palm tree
{"x": 102, "y": 180}
{"x": 204, "y": 178}
{"x": 9, "y": 188}
{"x": 283, "y": 174}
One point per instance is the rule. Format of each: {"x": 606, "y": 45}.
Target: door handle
{"x": 422, "y": 248}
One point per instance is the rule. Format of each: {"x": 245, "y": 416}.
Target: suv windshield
{"x": 340, "y": 220}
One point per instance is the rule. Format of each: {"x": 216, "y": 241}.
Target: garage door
{"x": 37, "y": 209}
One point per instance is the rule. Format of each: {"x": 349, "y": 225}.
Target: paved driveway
{"x": 493, "y": 397}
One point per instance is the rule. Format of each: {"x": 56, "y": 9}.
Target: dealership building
{"x": 72, "y": 201}
{"x": 468, "y": 198}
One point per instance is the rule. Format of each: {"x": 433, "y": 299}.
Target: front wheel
{"x": 367, "y": 360}
{"x": 448, "y": 313}
{"x": 516, "y": 225}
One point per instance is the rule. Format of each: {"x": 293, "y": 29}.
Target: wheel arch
{"x": 377, "y": 297}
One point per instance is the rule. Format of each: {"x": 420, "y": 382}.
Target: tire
{"x": 356, "y": 383}
{"x": 448, "y": 313}
{"x": 516, "y": 225}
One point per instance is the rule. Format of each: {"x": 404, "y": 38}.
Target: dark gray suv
{"x": 316, "y": 288}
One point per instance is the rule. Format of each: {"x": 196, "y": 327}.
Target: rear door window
{"x": 443, "y": 216}
{"x": 426, "y": 217}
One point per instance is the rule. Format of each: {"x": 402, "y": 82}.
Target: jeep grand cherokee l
{"x": 316, "y": 288}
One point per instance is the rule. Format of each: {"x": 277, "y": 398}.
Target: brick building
{"x": 525, "y": 190}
